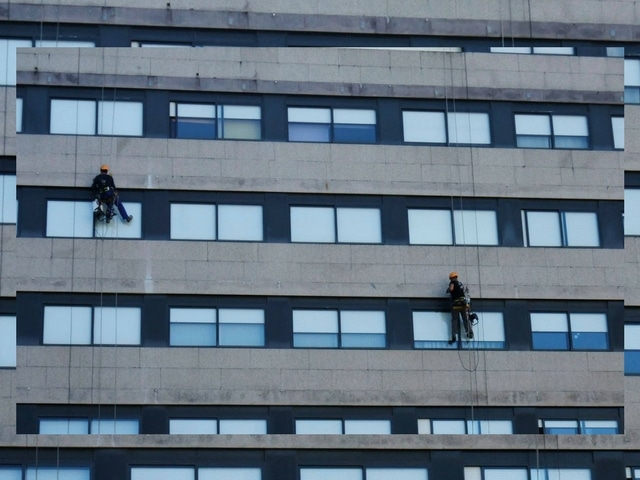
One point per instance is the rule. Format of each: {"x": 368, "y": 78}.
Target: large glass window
{"x": 213, "y": 121}
{"x": 560, "y": 229}
{"x": 53, "y": 473}
{"x": 352, "y": 473}
{"x": 212, "y": 327}
{"x": 432, "y": 330}
{"x": 460, "y": 227}
{"x": 216, "y": 222}
{"x": 535, "y": 50}
{"x": 9, "y": 206}
{"x": 510, "y": 473}
{"x": 573, "y": 331}
{"x": 617, "y": 126}
{"x": 229, "y": 474}
{"x": 632, "y": 349}
{"x": 339, "y": 329}
{"x": 575, "y": 427}
{"x": 116, "y": 325}
{"x": 91, "y": 117}
{"x": 631, "y": 80}
{"x": 461, "y": 427}
{"x": 66, "y": 325}
{"x": 340, "y": 125}
{"x": 8, "y": 59}
{"x": 200, "y": 426}
{"x": 330, "y": 224}
{"x": 551, "y": 131}
{"x": 8, "y": 341}
{"x": 163, "y": 473}
{"x": 632, "y": 211}
{"x": 76, "y": 219}
{"x": 459, "y": 128}
{"x": 339, "y": 427}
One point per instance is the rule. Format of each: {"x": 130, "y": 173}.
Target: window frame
{"x": 570, "y": 333}
{"x": 564, "y": 228}
{"x": 219, "y": 120}
{"x": 333, "y": 127}
{"x": 552, "y": 137}
{"x": 100, "y": 117}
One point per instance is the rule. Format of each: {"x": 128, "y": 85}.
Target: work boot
{"x": 129, "y": 218}
{"x": 453, "y": 340}
{"x": 470, "y": 334}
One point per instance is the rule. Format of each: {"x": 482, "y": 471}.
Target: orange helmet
{"x": 453, "y": 275}
{"x": 104, "y": 167}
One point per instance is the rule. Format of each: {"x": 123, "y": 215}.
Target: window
{"x": 340, "y": 125}
{"x": 460, "y": 427}
{"x": 116, "y": 326}
{"x": 76, "y": 219}
{"x": 339, "y": 329}
{"x": 617, "y": 125}
{"x": 229, "y": 474}
{"x": 535, "y": 50}
{"x": 65, "y": 325}
{"x": 632, "y": 211}
{"x": 216, "y": 222}
{"x": 9, "y": 207}
{"x": 19, "y": 103}
{"x": 351, "y": 473}
{"x": 90, "y": 117}
{"x": 574, "y": 427}
{"x": 498, "y": 473}
{"x": 573, "y": 331}
{"x": 433, "y": 330}
{"x": 551, "y": 131}
{"x": 632, "y": 349}
{"x": 460, "y": 227}
{"x": 64, "y": 426}
{"x": 10, "y": 473}
{"x": 328, "y": 224}
{"x": 114, "y": 427}
{"x": 560, "y": 229}
{"x": 8, "y": 341}
{"x": 560, "y": 474}
{"x": 210, "y": 121}
{"x": 162, "y": 473}
{"x": 64, "y": 44}
{"x": 212, "y": 426}
{"x": 52, "y": 473}
{"x": 460, "y": 128}
{"x": 631, "y": 81}
{"x": 339, "y": 427}
{"x": 211, "y": 327}
{"x": 8, "y": 59}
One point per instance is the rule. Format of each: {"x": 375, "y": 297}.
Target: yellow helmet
{"x": 453, "y": 275}
{"x": 104, "y": 167}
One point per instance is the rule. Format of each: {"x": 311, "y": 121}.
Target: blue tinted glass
{"x": 192, "y": 334}
{"x": 550, "y": 341}
{"x": 561, "y": 430}
{"x": 363, "y": 340}
{"x": 533, "y": 141}
{"x": 484, "y": 345}
{"x": 196, "y": 128}
{"x": 600, "y": 430}
{"x": 242, "y": 334}
{"x": 571, "y": 142}
{"x": 309, "y": 132}
{"x": 632, "y": 362}
{"x": 589, "y": 340}
{"x": 315, "y": 340}
{"x": 350, "y": 133}
{"x": 631, "y": 94}
{"x": 433, "y": 344}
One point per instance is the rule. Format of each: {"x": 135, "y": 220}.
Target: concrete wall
{"x": 499, "y": 19}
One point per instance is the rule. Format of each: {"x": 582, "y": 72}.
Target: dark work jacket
{"x": 458, "y": 290}
{"x": 102, "y": 184}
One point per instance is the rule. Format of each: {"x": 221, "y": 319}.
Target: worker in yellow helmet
{"x": 459, "y": 308}
{"x": 104, "y": 190}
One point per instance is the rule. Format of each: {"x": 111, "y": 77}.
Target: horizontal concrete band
{"x": 248, "y": 85}
{"x": 356, "y": 24}
{"x": 334, "y": 442}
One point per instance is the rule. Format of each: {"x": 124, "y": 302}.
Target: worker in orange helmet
{"x": 459, "y": 308}
{"x": 104, "y": 189}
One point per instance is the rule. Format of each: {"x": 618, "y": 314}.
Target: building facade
{"x": 301, "y": 187}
